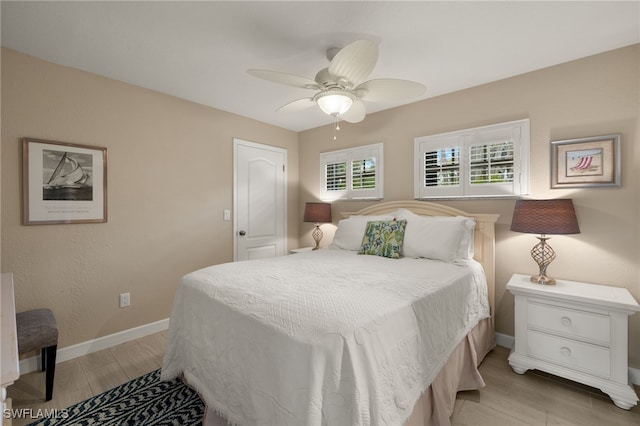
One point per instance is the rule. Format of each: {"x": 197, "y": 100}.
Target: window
{"x": 351, "y": 174}
{"x": 484, "y": 161}
{"x": 336, "y": 176}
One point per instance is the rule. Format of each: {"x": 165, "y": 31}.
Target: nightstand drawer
{"x": 576, "y": 324}
{"x": 592, "y": 359}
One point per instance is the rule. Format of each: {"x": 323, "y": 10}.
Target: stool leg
{"x": 50, "y": 370}
{"x": 43, "y": 366}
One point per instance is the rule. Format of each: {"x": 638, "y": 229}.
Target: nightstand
{"x": 300, "y": 250}
{"x": 574, "y": 330}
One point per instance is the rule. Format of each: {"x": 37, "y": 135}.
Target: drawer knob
{"x": 565, "y": 351}
{"x": 566, "y": 321}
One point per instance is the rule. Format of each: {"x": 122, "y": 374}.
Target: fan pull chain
{"x": 335, "y": 136}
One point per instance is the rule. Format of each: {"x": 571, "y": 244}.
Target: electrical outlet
{"x": 125, "y": 300}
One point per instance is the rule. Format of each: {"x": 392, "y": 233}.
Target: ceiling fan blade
{"x": 389, "y": 89}
{"x": 355, "y": 61}
{"x": 356, "y": 113}
{"x": 285, "y": 78}
{"x": 298, "y": 105}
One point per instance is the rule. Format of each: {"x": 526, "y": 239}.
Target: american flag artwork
{"x": 584, "y": 162}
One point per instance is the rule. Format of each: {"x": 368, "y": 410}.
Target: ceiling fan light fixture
{"x": 334, "y": 102}
{"x": 341, "y": 87}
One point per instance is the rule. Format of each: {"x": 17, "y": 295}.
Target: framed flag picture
{"x": 63, "y": 182}
{"x": 586, "y": 162}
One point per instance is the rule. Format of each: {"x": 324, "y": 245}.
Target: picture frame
{"x": 63, "y": 182}
{"x": 586, "y": 162}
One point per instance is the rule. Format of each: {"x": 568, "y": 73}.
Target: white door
{"x": 260, "y": 202}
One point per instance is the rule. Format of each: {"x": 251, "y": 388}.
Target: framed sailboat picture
{"x": 586, "y": 162}
{"x": 63, "y": 182}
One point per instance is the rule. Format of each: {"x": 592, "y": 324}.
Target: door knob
{"x": 242, "y": 233}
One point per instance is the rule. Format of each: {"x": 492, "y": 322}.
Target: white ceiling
{"x": 200, "y": 51}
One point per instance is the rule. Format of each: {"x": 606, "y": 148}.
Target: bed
{"x": 338, "y": 337}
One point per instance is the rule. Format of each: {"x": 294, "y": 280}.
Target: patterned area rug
{"x": 143, "y": 401}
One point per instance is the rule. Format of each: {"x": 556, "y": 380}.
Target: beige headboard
{"x": 484, "y": 238}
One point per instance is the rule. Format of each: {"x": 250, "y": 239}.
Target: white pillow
{"x": 445, "y": 238}
{"x": 351, "y": 230}
{"x": 465, "y": 251}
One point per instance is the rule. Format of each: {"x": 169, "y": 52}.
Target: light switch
{"x": 226, "y": 215}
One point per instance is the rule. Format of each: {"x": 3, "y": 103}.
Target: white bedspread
{"x": 320, "y": 338}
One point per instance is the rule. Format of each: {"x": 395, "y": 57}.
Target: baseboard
{"x": 28, "y": 365}
{"x": 504, "y": 340}
{"x": 634, "y": 376}
{"x": 507, "y": 341}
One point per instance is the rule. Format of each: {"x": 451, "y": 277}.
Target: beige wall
{"x": 169, "y": 180}
{"x": 589, "y": 97}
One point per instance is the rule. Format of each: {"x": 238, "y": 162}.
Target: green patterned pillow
{"x": 383, "y": 238}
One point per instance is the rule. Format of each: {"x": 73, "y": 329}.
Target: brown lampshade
{"x": 317, "y": 212}
{"x": 545, "y": 217}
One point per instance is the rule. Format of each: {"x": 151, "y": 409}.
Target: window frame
{"x": 349, "y": 156}
{"x": 517, "y": 131}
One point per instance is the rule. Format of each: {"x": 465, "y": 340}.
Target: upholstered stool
{"x": 37, "y": 330}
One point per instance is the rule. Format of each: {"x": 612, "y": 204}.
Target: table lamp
{"x": 318, "y": 213}
{"x": 544, "y": 217}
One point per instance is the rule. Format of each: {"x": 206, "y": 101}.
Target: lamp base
{"x": 543, "y": 254}
{"x": 317, "y": 236}
{"x": 543, "y": 279}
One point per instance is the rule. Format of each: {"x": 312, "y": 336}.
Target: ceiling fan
{"x": 340, "y": 88}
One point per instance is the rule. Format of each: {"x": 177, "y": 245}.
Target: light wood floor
{"x": 509, "y": 399}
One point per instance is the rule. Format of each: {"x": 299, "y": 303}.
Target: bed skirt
{"x": 460, "y": 373}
